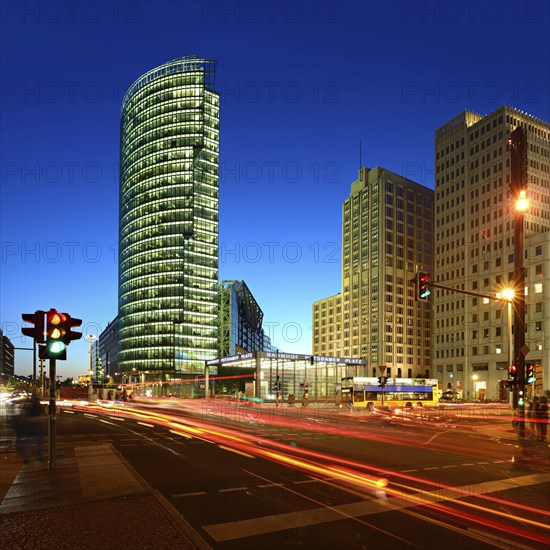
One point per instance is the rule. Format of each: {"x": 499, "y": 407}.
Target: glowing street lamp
{"x": 506, "y": 295}
{"x": 522, "y": 202}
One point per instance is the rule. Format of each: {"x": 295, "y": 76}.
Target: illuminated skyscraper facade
{"x": 168, "y": 227}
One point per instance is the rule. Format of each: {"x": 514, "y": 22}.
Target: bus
{"x": 397, "y": 393}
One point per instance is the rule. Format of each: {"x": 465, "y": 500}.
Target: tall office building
{"x": 474, "y": 232}
{"x": 168, "y": 241}
{"x": 386, "y": 238}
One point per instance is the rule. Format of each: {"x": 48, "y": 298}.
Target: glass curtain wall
{"x": 168, "y": 230}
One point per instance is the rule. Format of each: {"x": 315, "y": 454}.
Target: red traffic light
{"x": 55, "y": 324}
{"x": 55, "y": 331}
{"x": 60, "y": 334}
{"x": 423, "y": 290}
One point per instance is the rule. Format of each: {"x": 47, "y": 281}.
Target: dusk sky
{"x": 301, "y": 84}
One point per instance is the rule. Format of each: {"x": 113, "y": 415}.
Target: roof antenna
{"x": 360, "y": 161}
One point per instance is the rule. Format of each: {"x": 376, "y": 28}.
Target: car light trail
{"x": 367, "y": 477}
{"x": 333, "y": 509}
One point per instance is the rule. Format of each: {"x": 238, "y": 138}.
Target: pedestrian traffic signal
{"x": 36, "y": 319}
{"x": 55, "y": 333}
{"x": 382, "y": 380}
{"x": 531, "y": 376}
{"x": 513, "y": 373}
{"x": 423, "y": 290}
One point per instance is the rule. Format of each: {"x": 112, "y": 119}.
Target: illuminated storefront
{"x": 297, "y": 374}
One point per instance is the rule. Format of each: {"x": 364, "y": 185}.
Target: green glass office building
{"x": 168, "y": 227}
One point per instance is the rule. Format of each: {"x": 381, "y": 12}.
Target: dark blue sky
{"x": 301, "y": 82}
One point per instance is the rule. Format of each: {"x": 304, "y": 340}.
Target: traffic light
{"x": 67, "y": 328}
{"x": 36, "y": 319}
{"x": 55, "y": 335}
{"x": 382, "y": 381}
{"x": 531, "y": 376}
{"x": 513, "y": 373}
{"x": 423, "y": 286}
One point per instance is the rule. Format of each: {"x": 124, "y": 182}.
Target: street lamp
{"x": 91, "y": 338}
{"x": 522, "y": 202}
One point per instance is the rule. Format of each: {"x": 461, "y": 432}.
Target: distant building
{"x": 327, "y": 326}
{"x": 387, "y": 226}
{"x": 168, "y": 229}
{"x": 474, "y": 249}
{"x": 107, "y": 345}
{"x": 7, "y": 356}
{"x": 240, "y": 329}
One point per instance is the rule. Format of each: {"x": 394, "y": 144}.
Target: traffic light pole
{"x": 462, "y": 291}
{"x": 520, "y": 350}
{"x": 34, "y": 384}
{"x": 518, "y": 147}
{"x": 519, "y": 341}
{"x": 51, "y": 431}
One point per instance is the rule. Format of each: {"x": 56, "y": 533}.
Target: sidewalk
{"x": 93, "y": 499}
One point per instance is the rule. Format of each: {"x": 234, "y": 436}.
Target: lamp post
{"x": 520, "y": 349}
{"x": 507, "y": 295}
{"x": 518, "y": 189}
{"x": 91, "y": 338}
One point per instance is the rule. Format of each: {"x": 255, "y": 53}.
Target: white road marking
{"x": 304, "y": 518}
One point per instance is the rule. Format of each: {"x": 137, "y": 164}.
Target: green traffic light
{"x": 57, "y": 347}
{"x": 531, "y": 377}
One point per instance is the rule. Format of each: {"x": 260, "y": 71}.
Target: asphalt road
{"x": 272, "y": 479}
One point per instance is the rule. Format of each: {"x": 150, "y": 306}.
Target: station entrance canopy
{"x": 292, "y": 373}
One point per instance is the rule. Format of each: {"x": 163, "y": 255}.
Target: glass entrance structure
{"x": 168, "y": 221}
{"x": 291, "y": 374}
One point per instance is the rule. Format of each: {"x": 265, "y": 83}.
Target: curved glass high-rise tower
{"x": 168, "y": 227}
